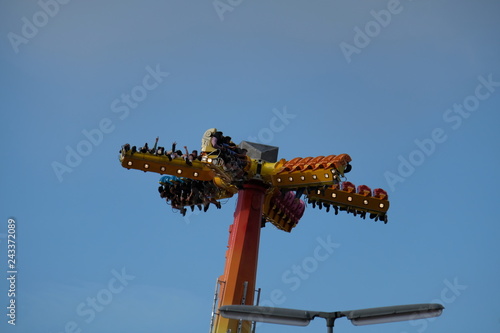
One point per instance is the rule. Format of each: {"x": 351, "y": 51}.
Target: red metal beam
{"x": 240, "y": 271}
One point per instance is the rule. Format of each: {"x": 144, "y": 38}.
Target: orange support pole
{"x": 240, "y": 272}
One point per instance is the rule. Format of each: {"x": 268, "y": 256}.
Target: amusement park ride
{"x": 268, "y": 191}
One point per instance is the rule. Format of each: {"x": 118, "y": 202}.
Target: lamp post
{"x": 359, "y": 317}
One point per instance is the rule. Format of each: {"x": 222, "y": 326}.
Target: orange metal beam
{"x": 240, "y": 271}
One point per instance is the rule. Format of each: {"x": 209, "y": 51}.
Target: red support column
{"x": 242, "y": 256}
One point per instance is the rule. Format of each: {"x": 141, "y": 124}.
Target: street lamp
{"x": 359, "y": 317}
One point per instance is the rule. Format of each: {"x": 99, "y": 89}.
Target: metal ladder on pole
{"x": 243, "y": 299}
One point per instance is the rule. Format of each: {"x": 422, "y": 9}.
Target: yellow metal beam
{"x": 350, "y": 201}
{"x": 163, "y": 165}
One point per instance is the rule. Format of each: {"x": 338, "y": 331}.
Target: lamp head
{"x": 266, "y": 314}
{"x": 391, "y": 314}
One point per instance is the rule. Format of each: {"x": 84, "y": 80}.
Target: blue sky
{"x": 410, "y": 89}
